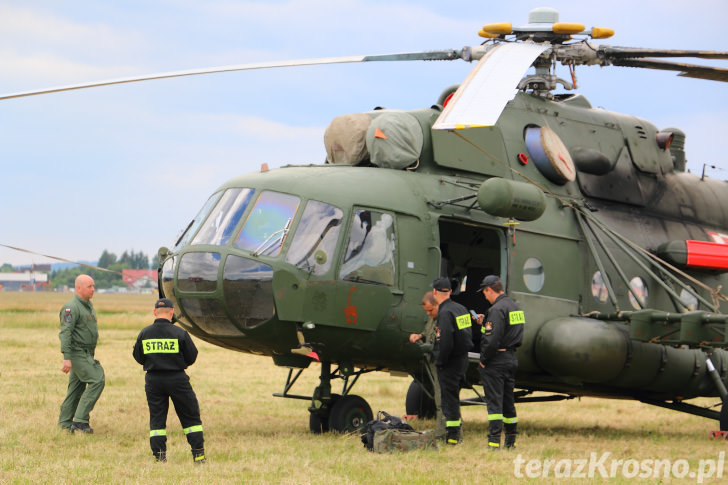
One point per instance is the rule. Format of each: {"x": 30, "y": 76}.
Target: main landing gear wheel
{"x": 349, "y": 414}
{"x": 418, "y": 402}
{"x": 724, "y": 415}
{"x": 318, "y": 422}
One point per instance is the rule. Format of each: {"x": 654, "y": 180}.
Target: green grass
{"x": 253, "y": 437}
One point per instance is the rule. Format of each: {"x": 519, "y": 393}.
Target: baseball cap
{"x": 442, "y": 284}
{"x": 489, "y": 280}
{"x": 164, "y": 303}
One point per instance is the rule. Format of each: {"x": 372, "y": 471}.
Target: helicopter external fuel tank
{"x": 589, "y": 351}
{"x": 507, "y": 198}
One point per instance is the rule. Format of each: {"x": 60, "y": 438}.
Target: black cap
{"x": 488, "y": 281}
{"x": 442, "y": 284}
{"x": 164, "y": 303}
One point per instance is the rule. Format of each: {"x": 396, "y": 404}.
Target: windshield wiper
{"x": 268, "y": 244}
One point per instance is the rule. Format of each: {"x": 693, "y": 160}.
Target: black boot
{"x": 82, "y": 427}
{"x": 510, "y": 441}
{"x": 453, "y": 435}
{"x": 494, "y": 442}
{"x": 198, "y": 456}
{"x": 160, "y": 456}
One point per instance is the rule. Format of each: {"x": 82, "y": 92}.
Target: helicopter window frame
{"x": 218, "y": 228}
{"x": 358, "y": 252}
{"x": 319, "y": 229}
{"x": 268, "y": 223}
{"x": 599, "y": 288}
{"x": 688, "y": 299}
{"x": 534, "y": 274}
{"x": 191, "y": 229}
{"x": 639, "y": 287}
{"x": 197, "y": 272}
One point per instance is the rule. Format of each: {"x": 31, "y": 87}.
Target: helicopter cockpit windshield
{"x": 314, "y": 243}
{"x": 268, "y": 222}
{"x": 222, "y": 270}
{"x": 221, "y": 223}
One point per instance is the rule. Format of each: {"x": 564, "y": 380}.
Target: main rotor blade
{"x": 481, "y": 98}
{"x": 441, "y": 55}
{"x": 632, "y": 52}
{"x": 686, "y": 70}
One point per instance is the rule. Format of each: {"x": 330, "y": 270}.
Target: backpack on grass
{"x": 388, "y": 433}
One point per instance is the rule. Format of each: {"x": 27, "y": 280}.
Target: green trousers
{"x": 440, "y": 430}
{"x": 86, "y": 380}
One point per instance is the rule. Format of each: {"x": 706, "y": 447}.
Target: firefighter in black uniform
{"x": 451, "y": 355}
{"x": 502, "y": 334}
{"x": 166, "y": 351}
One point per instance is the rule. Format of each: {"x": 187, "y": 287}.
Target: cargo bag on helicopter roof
{"x": 388, "y": 433}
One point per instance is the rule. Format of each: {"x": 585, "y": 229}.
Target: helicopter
{"x": 616, "y": 255}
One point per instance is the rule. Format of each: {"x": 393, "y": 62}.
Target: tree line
{"x": 104, "y": 279}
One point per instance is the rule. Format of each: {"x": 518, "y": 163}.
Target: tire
{"x": 419, "y": 403}
{"x": 724, "y": 415}
{"x": 318, "y": 422}
{"x": 349, "y": 414}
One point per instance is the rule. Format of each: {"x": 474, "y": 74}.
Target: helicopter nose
{"x": 220, "y": 304}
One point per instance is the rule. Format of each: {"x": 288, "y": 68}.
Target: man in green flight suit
{"x": 428, "y": 337}
{"x": 86, "y": 379}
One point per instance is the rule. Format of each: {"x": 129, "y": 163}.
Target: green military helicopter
{"x": 615, "y": 253}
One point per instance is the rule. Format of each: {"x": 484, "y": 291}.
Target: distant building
{"x": 25, "y": 281}
{"x": 139, "y": 279}
{"x": 40, "y": 268}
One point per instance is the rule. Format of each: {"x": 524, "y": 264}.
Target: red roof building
{"x": 140, "y": 278}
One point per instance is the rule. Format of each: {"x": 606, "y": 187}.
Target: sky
{"x": 126, "y": 167}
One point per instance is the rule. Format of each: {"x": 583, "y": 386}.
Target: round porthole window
{"x": 689, "y": 300}
{"x": 533, "y": 274}
{"x": 639, "y": 289}
{"x": 599, "y": 288}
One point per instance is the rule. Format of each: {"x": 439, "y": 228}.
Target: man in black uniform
{"x": 502, "y": 334}
{"x": 451, "y": 351}
{"x": 166, "y": 351}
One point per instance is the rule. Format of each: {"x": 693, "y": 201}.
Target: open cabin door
{"x": 469, "y": 253}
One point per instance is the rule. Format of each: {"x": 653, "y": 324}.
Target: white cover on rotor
{"x": 481, "y": 98}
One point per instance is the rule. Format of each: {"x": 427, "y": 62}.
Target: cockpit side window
{"x": 314, "y": 243}
{"x": 195, "y": 223}
{"x": 268, "y": 222}
{"x": 371, "y": 250}
{"x": 219, "y": 226}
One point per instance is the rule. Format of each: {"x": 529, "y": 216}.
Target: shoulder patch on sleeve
{"x": 516, "y": 317}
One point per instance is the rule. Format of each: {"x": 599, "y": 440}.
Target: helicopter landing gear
{"x": 723, "y": 421}
{"x": 344, "y": 414}
{"x": 349, "y": 414}
{"x": 341, "y": 413}
{"x": 318, "y": 421}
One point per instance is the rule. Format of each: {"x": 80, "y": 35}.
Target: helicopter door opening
{"x": 469, "y": 253}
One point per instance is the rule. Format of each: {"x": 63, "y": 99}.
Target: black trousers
{"x": 451, "y": 376}
{"x": 160, "y": 388}
{"x": 498, "y": 378}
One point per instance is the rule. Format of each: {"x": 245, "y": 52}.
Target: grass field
{"x": 253, "y": 437}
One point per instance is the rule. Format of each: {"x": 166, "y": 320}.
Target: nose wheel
{"x": 318, "y": 421}
{"x": 339, "y": 413}
{"x": 349, "y": 414}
